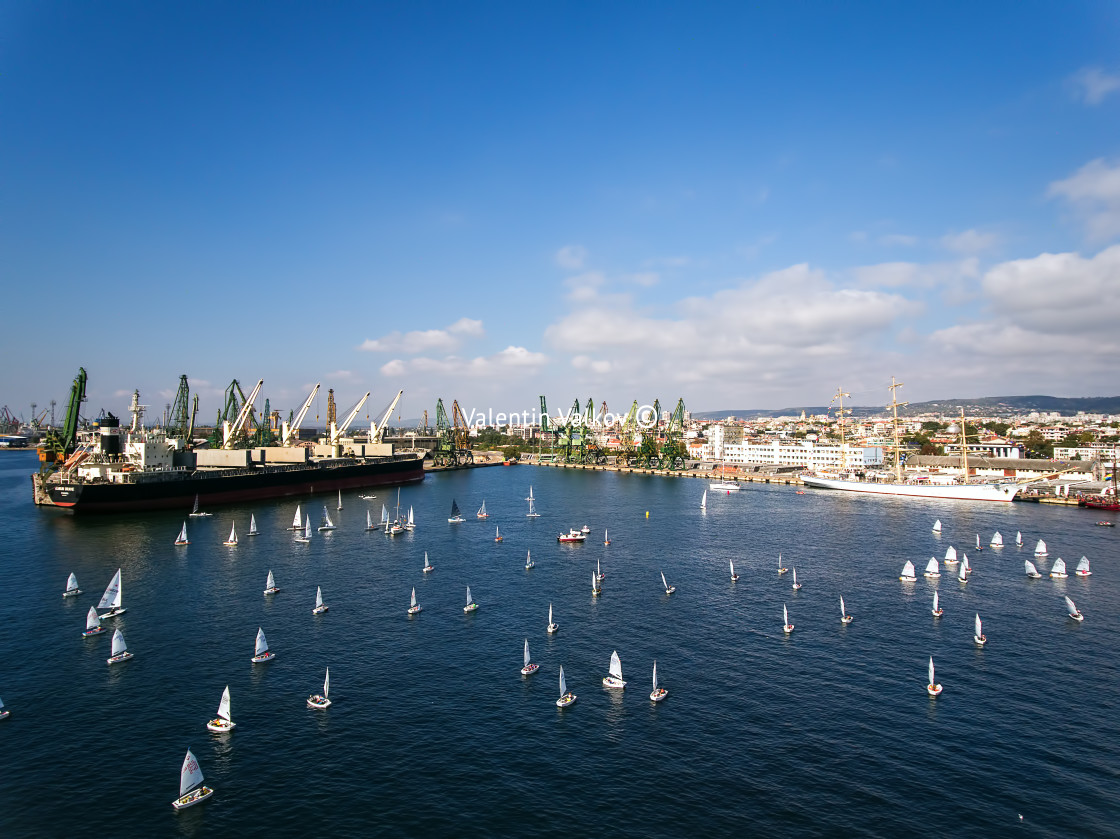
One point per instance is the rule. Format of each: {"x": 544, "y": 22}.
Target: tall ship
{"x": 113, "y": 468}
{"x": 914, "y": 484}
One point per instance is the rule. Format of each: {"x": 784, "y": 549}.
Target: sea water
{"x": 433, "y": 731}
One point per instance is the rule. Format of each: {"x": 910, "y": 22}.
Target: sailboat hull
{"x": 112, "y": 613}
{"x": 319, "y": 610}
{"x": 318, "y": 703}
{"x": 272, "y": 590}
{"x": 565, "y": 700}
{"x": 263, "y": 657}
{"x": 220, "y": 726}
{"x": 553, "y": 628}
{"x": 933, "y": 690}
{"x": 192, "y": 798}
{"x": 72, "y": 593}
{"x": 472, "y": 607}
{"x": 847, "y": 619}
{"x": 117, "y": 659}
{"x": 958, "y": 492}
{"x": 415, "y": 610}
{"x": 97, "y": 630}
{"x": 658, "y": 695}
{"x": 613, "y": 682}
{"x": 530, "y": 669}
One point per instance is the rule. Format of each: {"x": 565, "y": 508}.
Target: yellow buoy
{"x": 647, "y": 514}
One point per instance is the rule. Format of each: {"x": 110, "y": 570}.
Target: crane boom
{"x": 377, "y": 430}
{"x": 232, "y": 431}
{"x": 338, "y": 431}
{"x": 289, "y": 433}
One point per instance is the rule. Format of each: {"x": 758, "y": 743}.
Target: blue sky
{"x": 747, "y": 205}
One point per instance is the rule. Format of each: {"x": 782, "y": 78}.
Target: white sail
{"x": 340, "y": 499}
{"x": 271, "y": 581}
{"x": 1059, "y": 567}
{"x": 298, "y": 520}
{"x": 384, "y": 515}
{"x": 563, "y": 684}
{"x": 931, "y": 681}
{"x": 232, "y": 533}
{"x": 92, "y": 620}
{"x": 526, "y": 652}
{"x": 327, "y": 684}
{"x": 182, "y": 537}
{"x": 1083, "y": 565}
{"x": 307, "y": 527}
{"x": 932, "y": 567}
{"x": 482, "y": 513}
{"x": 1040, "y": 549}
{"x": 977, "y": 541}
{"x": 1029, "y": 567}
{"x": 655, "y": 675}
{"x": 369, "y": 520}
{"x": 252, "y": 524}
{"x": 594, "y": 581}
{"x": 223, "y": 706}
{"x": 935, "y": 601}
{"x": 964, "y": 564}
{"x": 795, "y": 578}
{"x": 979, "y": 628}
{"x": 731, "y": 563}
{"x": 663, "y": 582}
{"x": 951, "y": 554}
{"x": 843, "y": 613}
{"x": 72, "y": 583}
{"x": 191, "y": 774}
{"x": 704, "y": 500}
{"x": 1070, "y": 605}
{"x": 111, "y": 599}
{"x": 1018, "y": 539}
{"x": 414, "y": 598}
{"x": 119, "y": 645}
{"x": 262, "y": 643}
{"x": 997, "y": 540}
{"x": 550, "y": 614}
{"x": 327, "y": 518}
{"x": 785, "y": 615}
{"x": 469, "y": 600}
{"x": 616, "y": 665}
{"x": 318, "y": 596}
{"x": 194, "y": 510}
{"x": 411, "y": 520}
{"x": 937, "y": 526}
{"x": 962, "y": 573}
{"x": 907, "y": 570}
{"x": 426, "y": 563}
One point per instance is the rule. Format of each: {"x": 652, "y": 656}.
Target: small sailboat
{"x": 384, "y": 518}
{"x": 1073, "y": 611}
{"x": 997, "y": 540}
{"x": 232, "y": 540}
{"x": 112, "y": 598}
{"x": 962, "y": 574}
{"x": 552, "y": 626}
{"x": 120, "y": 649}
{"x": 964, "y": 564}
{"x": 978, "y": 632}
{"x": 182, "y": 539}
{"x": 196, "y": 513}
{"x": 72, "y": 589}
{"x": 606, "y": 538}
{"x": 410, "y": 524}
{"x": 191, "y": 788}
{"x": 932, "y": 568}
{"x": 796, "y": 585}
{"x": 252, "y": 525}
{"x": 297, "y": 521}
{"x": 658, "y": 693}
{"x": 529, "y": 560}
{"x": 937, "y": 610}
{"x": 781, "y": 568}
{"x": 222, "y": 723}
{"x": 497, "y": 534}
{"x": 456, "y": 517}
{"x": 1018, "y": 539}
{"x": 532, "y": 514}
{"x": 787, "y": 627}
{"x": 529, "y": 668}
{"x": 369, "y": 521}
{"x": 704, "y": 500}
{"x": 668, "y": 588}
{"x": 482, "y": 514}
{"x": 1082, "y": 569}
{"x": 845, "y": 618}
{"x": 320, "y": 606}
{"x": 471, "y": 605}
{"x": 1040, "y": 549}
{"x": 1032, "y": 572}
{"x": 327, "y": 523}
{"x": 599, "y": 571}
{"x": 566, "y": 696}
{"x": 261, "y": 653}
{"x": 321, "y": 701}
{"x": 596, "y": 587}
{"x": 734, "y": 576}
{"x": 951, "y": 555}
{"x": 93, "y": 624}
{"x": 428, "y": 567}
{"x": 614, "y": 677}
{"x": 937, "y": 526}
{"x": 933, "y": 689}
{"x": 4, "y": 714}
{"x": 415, "y": 608}
{"x": 270, "y": 586}
{"x": 1058, "y": 570}
{"x": 340, "y": 499}
{"x": 978, "y": 548}
{"x": 907, "y": 575}
{"x": 305, "y": 537}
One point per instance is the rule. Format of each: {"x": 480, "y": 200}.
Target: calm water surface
{"x": 433, "y": 730}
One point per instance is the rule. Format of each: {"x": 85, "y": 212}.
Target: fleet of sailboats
{"x": 222, "y": 724}
{"x": 191, "y": 788}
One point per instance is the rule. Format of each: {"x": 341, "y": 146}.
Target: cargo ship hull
{"x": 169, "y": 491}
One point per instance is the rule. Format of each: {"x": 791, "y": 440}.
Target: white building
{"x": 726, "y": 444}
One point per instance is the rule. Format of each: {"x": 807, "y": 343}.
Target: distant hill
{"x": 988, "y": 405}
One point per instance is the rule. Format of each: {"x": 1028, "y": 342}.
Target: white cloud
{"x": 427, "y": 340}
{"x": 1094, "y": 192}
{"x": 950, "y": 276}
{"x": 893, "y": 240}
{"x": 344, "y": 375}
{"x": 969, "y": 241}
{"x": 512, "y": 360}
{"x": 571, "y": 257}
{"x": 583, "y": 362}
{"x": 1093, "y": 85}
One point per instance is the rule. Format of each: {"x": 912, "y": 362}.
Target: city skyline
{"x": 746, "y": 208}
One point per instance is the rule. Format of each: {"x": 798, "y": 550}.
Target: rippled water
{"x": 433, "y": 730}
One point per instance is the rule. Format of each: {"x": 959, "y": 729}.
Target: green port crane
{"x": 591, "y": 452}
{"x": 628, "y": 429}
{"x": 452, "y": 437}
{"x": 673, "y": 450}
{"x": 57, "y": 445}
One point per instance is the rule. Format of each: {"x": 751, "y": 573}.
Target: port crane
{"x": 336, "y": 431}
{"x": 289, "y": 431}
{"x": 376, "y": 430}
{"x": 183, "y": 415}
{"x": 452, "y": 437}
{"x": 58, "y": 444}
{"x": 231, "y": 431}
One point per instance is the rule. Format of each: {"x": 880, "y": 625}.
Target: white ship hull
{"x": 959, "y": 492}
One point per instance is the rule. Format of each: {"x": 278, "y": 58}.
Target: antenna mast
{"x": 894, "y": 406}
